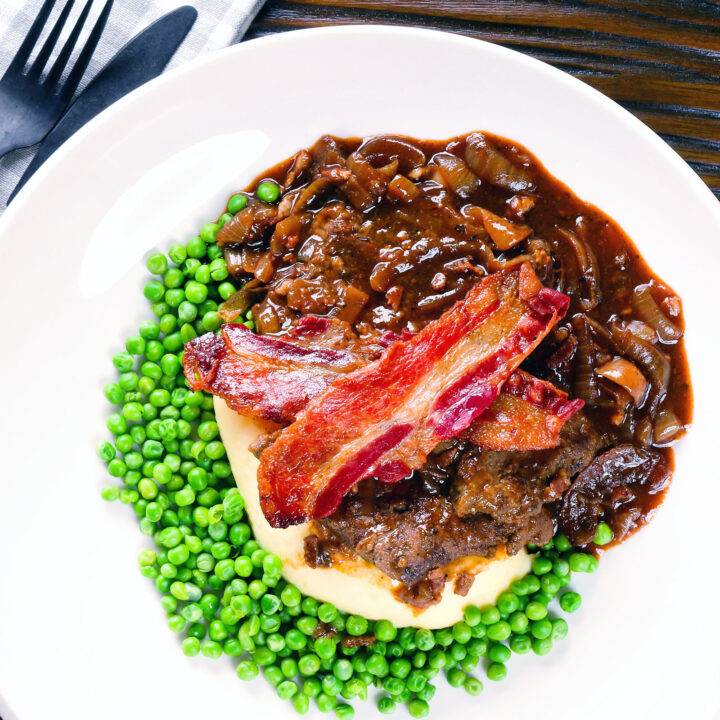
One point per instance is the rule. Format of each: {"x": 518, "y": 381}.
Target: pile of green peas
{"x": 221, "y": 591}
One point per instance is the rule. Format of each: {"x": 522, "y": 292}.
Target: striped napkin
{"x": 219, "y": 23}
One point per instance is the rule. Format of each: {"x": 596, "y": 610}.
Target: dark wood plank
{"x": 658, "y": 58}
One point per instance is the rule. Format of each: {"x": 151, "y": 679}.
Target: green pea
{"x": 473, "y": 686}
{"x": 541, "y": 565}
{"x": 499, "y": 631}
{"x": 559, "y": 629}
{"x": 326, "y": 703}
{"x": 541, "y": 629}
{"x": 570, "y": 601}
{"x": 356, "y": 625}
{"x": 156, "y": 263}
{"x": 236, "y": 203}
{"x": 301, "y": 703}
{"x": 225, "y": 290}
{"x": 309, "y": 664}
{"x": 154, "y": 291}
{"x": 542, "y": 646}
{"x": 386, "y": 705}
{"x": 535, "y": 611}
{"x": 497, "y": 671}
{"x": 110, "y": 493}
{"x": 518, "y": 622}
{"x": 177, "y": 253}
{"x": 342, "y": 669}
{"x": 176, "y": 623}
{"x": 160, "y": 308}
{"x": 311, "y": 687}
{"x": 305, "y": 625}
{"x": 499, "y": 653}
{"x": 114, "y": 393}
{"x": 384, "y": 631}
{"x": 196, "y": 247}
{"x": 377, "y": 665}
{"x": 268, "y": 191}
{"x": 579, "y": 562}
{"x": 247, "y": 670}
{"x": 173, "y": 278}
{"x": 209, "y": 231}
{"x": 116, "y": 424}
{"x": 456, "y": 677}
{"x": 603, "y": 534}
{"x": 490, "y": 615}
{"x": 520, "y": 644}
{"x": 211, "y": 321}
{"x": 190, "y": 266}
{"x": 187, "y": 312}
{"x": 218, "y": 269}
{"x": 154, "y": 351}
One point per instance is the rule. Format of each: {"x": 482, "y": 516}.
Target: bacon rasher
{"x": 528, "y": 414}
{"x": 274, "y": 379}
{"x": 263, "y": 376}
{"x": 383, "y": 419}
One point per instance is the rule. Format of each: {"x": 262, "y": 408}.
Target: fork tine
{"x": 44, "y": 54}
{"x": 23, "y": 53}
{"x": 59, "y": 65}
{"x": 84, "y": 58}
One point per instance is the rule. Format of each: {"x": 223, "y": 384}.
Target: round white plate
{"x": 82, "y": 634}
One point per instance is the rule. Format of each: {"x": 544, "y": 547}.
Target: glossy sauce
{"x": 399, "y": 255}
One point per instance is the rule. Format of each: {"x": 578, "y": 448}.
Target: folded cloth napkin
{"x": 219, "y": 23}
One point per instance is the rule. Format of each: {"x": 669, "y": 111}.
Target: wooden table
{"x": 660, "y": 59}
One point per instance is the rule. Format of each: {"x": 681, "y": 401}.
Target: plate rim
{"x": 25, "y": 195}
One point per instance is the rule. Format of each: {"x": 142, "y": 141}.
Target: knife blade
{"x": 141, "y": 59}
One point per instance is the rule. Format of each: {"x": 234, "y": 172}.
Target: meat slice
{"x": 407, "y": 533}
{"x": 512, "y": 485}
{"x": 606, "y": 489}
{"x": 383, "y": 420}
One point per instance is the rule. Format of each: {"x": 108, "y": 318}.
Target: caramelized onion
{"x": 587, "y": 264}
{"x": 492, "y": 166}
{"x": 371, "y": 179}
{"x": 233, "y": 260}
{"x": 456, "y": 175}
{"x": 504, "y": 234}
{"x": 625, "y": 374}
{"x": 655, "y": 364}
{"x": 235, "y": 305}
{"x": 248, "y": 225}
{"x": 383, "y": 149}
{"x": 585, "y": 384}
{"x": 642, "y": 330}
{"x": 667, "y": 427}
{"x": 649, "y": 311}
{"x": 402, "y": 189}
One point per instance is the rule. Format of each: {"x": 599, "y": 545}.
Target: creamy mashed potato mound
{"x": 355, "y": 586}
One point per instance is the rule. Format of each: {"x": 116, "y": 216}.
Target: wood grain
{"x": 660, "y": 59}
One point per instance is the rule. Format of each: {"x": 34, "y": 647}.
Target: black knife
{"x": 140, "y": 60}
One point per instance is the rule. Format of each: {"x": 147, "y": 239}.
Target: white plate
{"x": 82, "y": 634}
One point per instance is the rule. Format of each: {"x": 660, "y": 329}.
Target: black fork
{"x": 29, "y": 104}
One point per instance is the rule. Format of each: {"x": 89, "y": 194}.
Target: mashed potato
{"x": 356, "y": 586}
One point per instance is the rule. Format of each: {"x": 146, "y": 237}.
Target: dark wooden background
{"x": 660, "y": 59}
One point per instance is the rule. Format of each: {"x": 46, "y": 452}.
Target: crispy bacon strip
{"x": 260, "y": 375}
{"x": 527, "y": 415}
{"x": 383, "y": 419}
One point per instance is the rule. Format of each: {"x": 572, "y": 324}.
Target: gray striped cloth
{"x": 219, "y": 23}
